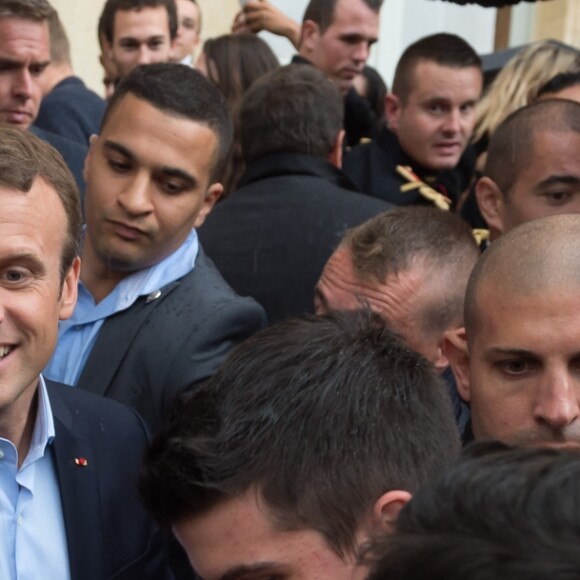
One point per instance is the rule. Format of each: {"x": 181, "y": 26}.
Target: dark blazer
{"x": 71, "y": 110}
{"x": 109, "y": 534}
{"x": 272, "y": 237}
{"x": 73, "y": 153}
{"x": 169, "y": 341}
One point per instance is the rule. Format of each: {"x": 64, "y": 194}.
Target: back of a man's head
{"x": 179, "y": 91}
{"x": 411, "y": 265}
{"x": 502, "y": 512}
{"x": 533, "y": 165}
{"x": 294, "y": 109}
{"x": 443, "y": 49}
{"x": 316, "y": 419}
{"x": 111, "y": 7}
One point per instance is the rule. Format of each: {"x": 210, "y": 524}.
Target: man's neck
{"x": 99, "y": 278}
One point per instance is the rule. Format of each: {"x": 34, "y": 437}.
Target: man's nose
{"x": 452, "y": 122}
{"x": 135, "y": 198}
{"x": 557, "y": 400}
{"x": 144, "y": 55}
{"x": 361, "y": 52}
{"x": 23, "y": 83}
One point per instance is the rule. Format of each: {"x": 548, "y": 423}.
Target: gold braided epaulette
{"x": 414, "y": 183}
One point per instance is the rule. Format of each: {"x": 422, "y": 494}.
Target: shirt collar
{"x": 43, "y": 433}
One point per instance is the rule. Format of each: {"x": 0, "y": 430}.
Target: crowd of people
{"x": 246, "y": 323}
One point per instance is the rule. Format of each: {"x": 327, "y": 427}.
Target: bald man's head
{"x": 537, "y": 257}
{"x": 533, "y": 166}
{"x": 518, "y": 361}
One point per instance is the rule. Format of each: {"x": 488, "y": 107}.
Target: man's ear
{"x": 456, "y": 350}
{"x": 392, "y": 111}
{"x": 309, "y": 37}
{"x": 92, "y": 144}
{"x": 441, "y": 361}
{"x": 68, "y": 291}
{"x": 213, "y": 193}
{"x": 335, "y": 157}
{"x": 386, "y": 509}
{"x": 491, "y": 202}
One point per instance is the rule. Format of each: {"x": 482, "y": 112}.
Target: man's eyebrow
{"x": 244, "y": 570}
{"x": 509, "y": 351}
{"x": 25, "y": 258}
{"x": 180, "y": 174}
{"x": 566, "y": 179}
{"x": 114, "y": 146}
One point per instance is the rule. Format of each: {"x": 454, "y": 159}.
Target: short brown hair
{"x": 443, "y": 49}
{"x": 394, "y": 240}
{"x": 25, "y": 158}
{"x": 59, "y": 44}
{"x": 37, "y": 10}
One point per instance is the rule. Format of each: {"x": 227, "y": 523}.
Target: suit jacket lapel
{"x": 114, "y": 340}
{"x": 79, "y": 493}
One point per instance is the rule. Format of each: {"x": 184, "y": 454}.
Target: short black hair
{"x": 293, "y": 109}
{"x": 443, "y": 49}
{"x": 511, "y": 146}
{"x": 107, "y": 19}
{"x": 183, "y": 92}
{"x": 320, "y": 415}
{"x": 560, "y": 82}
{"x": 501, "y": 513}
{"x": 322, "y": 11}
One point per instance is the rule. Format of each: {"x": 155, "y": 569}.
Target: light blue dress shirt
{"x": 32, "y": 533}
{"x": 77, "y": 335}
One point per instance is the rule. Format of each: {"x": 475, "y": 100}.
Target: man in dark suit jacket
{"x": 154, "y": 317}
{"x": 68, "y": 461}
{"x": 271, "y": 239}
{"x": 25, "y": 45}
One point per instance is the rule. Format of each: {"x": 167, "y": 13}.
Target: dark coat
{"x": 71, "y": 110}
{"x": 73, "y": 153}
{"x": 109, "y": 534}
{"x": 169, "y": 342}
{"x": 273, "y": 236}
{"x": 372, "y": 168}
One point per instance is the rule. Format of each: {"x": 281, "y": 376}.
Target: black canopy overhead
{"x": 490, "y": 3}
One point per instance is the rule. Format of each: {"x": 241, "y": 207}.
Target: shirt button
{"x": 19, "y": 520}
{"x": 1, "y": 454}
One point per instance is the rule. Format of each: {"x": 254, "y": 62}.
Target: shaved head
{"x": 513, "y": 145}
{"x": 541, "y": 256}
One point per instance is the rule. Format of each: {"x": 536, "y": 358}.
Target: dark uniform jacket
{"x": 372, "y": 168}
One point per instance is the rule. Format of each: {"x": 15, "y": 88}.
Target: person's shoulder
{"x": 87, "y": 412}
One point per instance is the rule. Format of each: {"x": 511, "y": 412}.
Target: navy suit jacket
{"x": 109, "y": 534}
{"x": 73, "y": 153}
{"x": 71, "y": 110}
{"x": 169, "y": 342}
